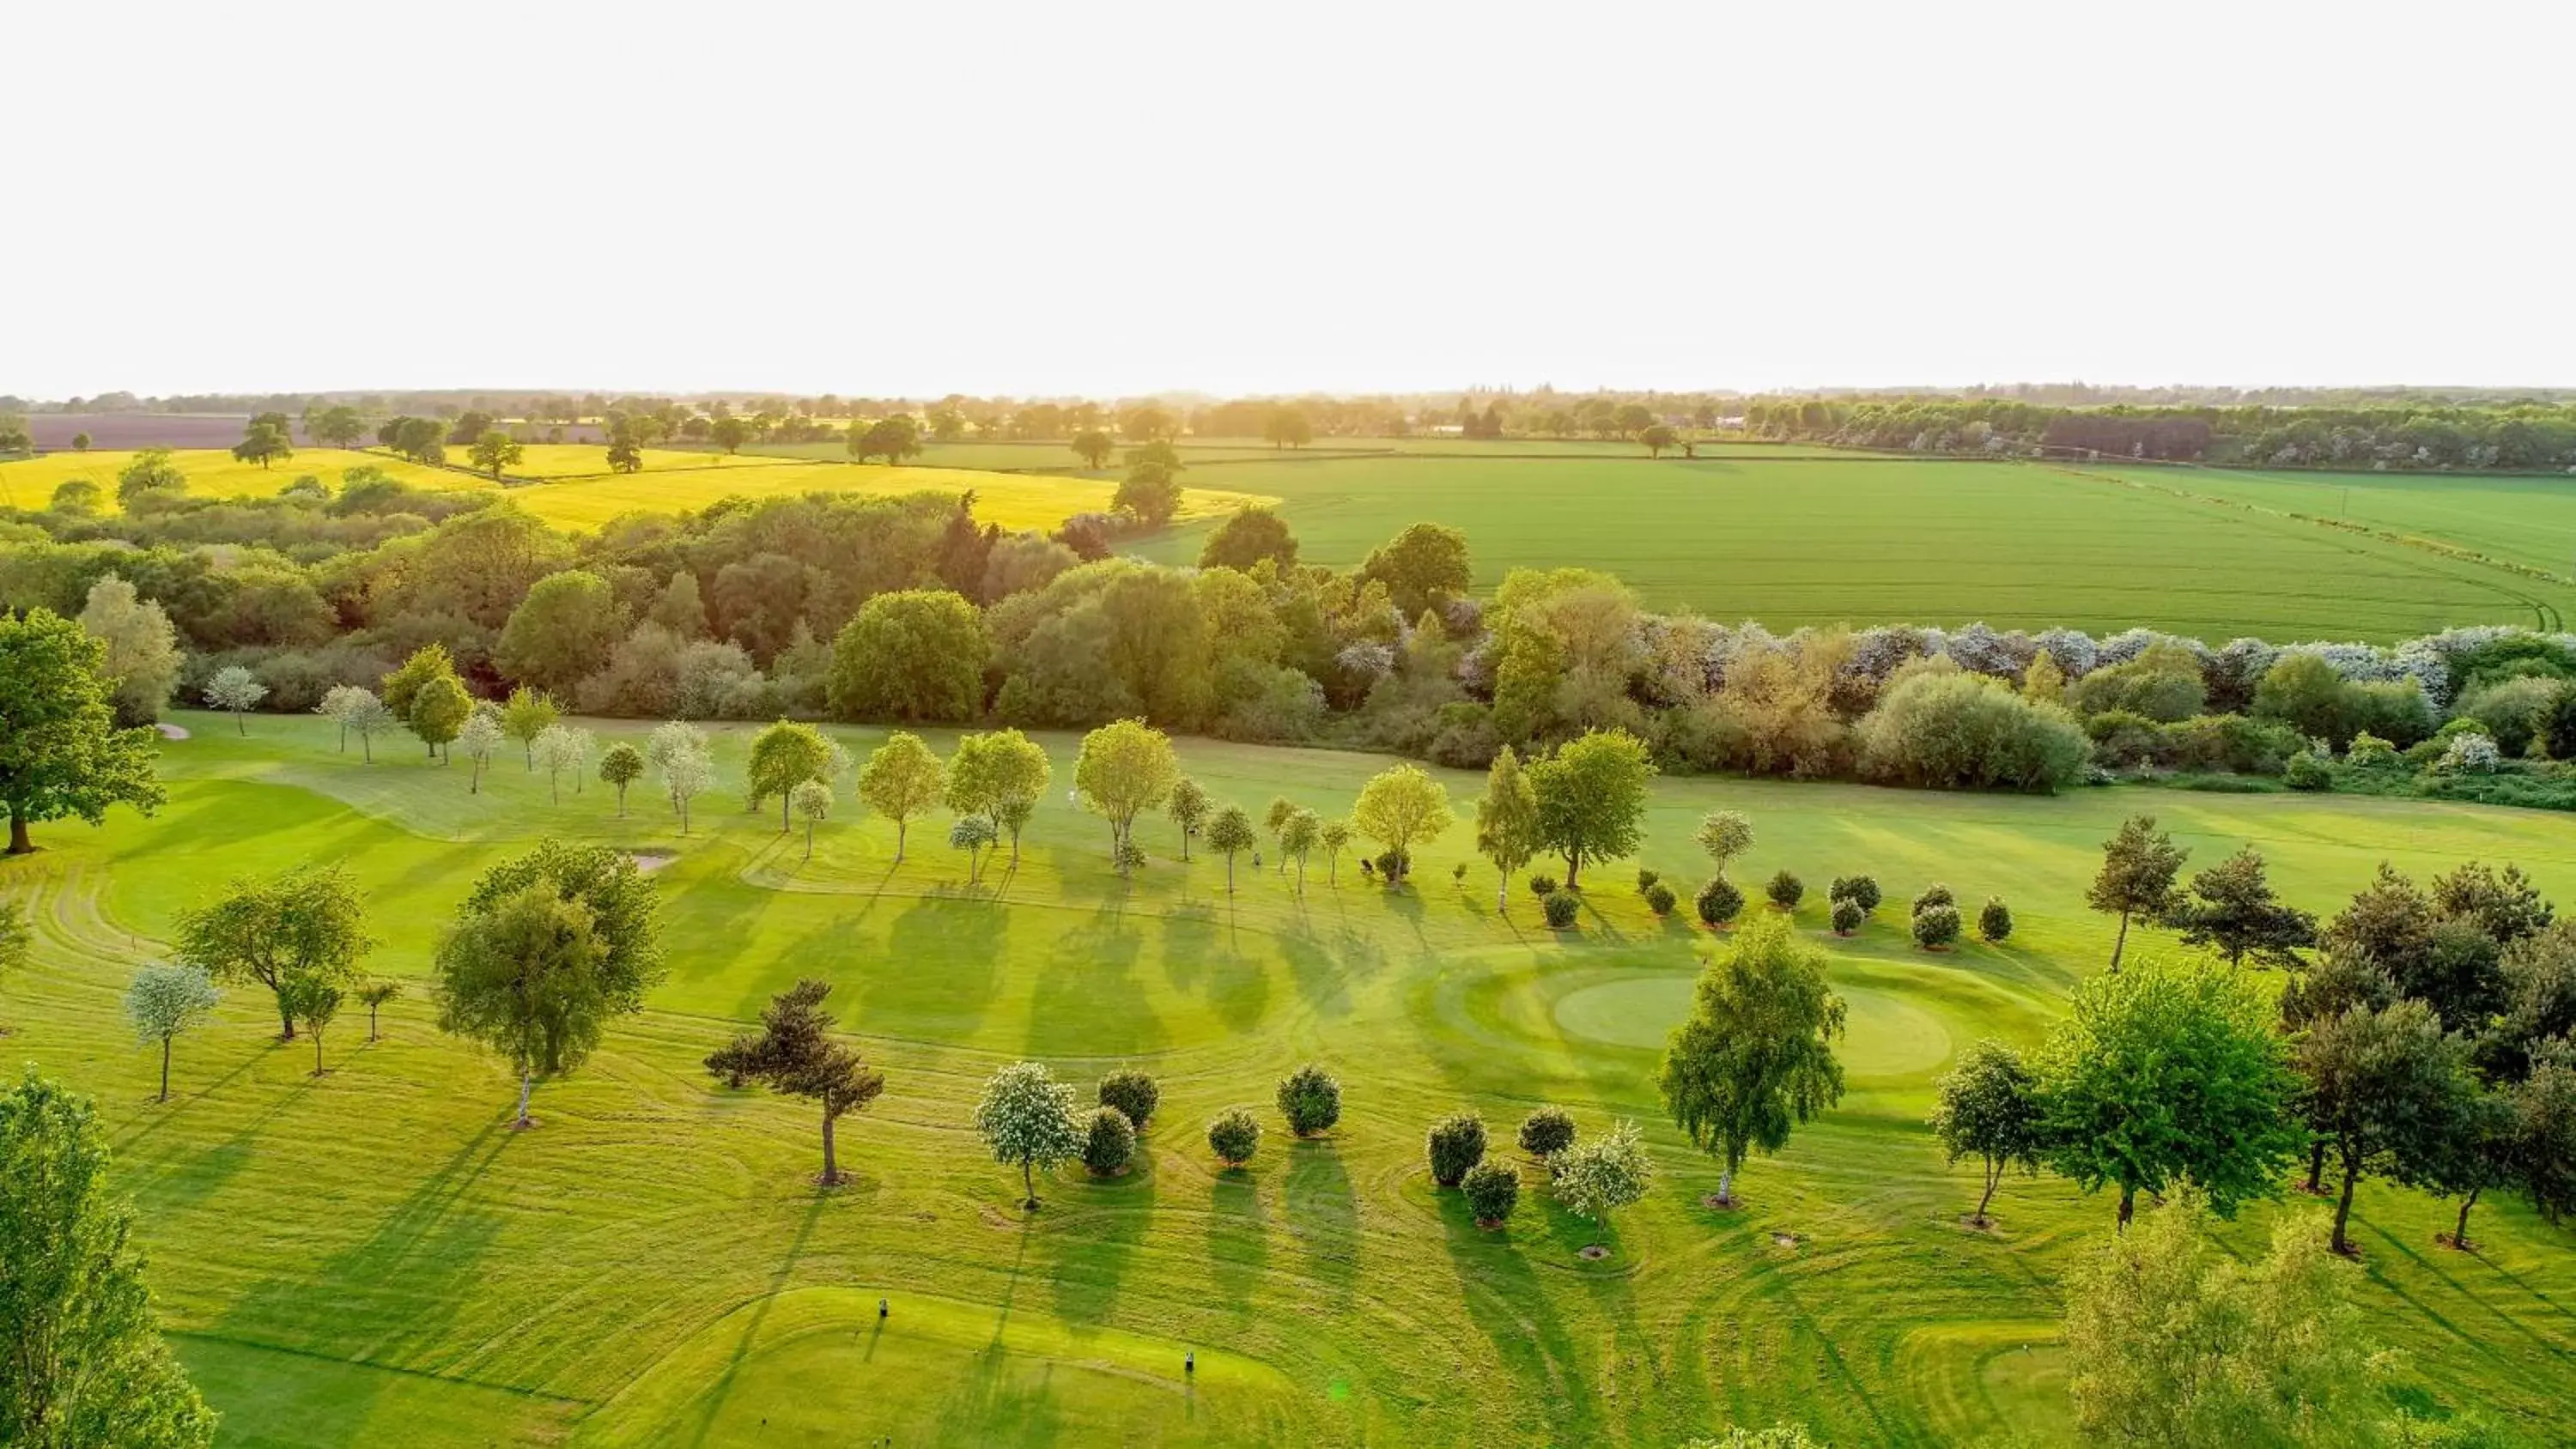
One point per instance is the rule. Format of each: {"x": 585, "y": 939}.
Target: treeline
{"x": 2519, "y": 436}
{"x": 909, "y": 608}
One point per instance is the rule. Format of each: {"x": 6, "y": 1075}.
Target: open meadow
{"x": 212, "y": 473}
{"x": 1853, "y": 539}
{"x": 371, "y": 1257}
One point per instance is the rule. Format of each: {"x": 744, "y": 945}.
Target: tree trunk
{"x": 165, "y": 1094}
{"x": 242, "y": 729}
{"x": 1301, "y": 875}
{"x": 19, "y": 844}
{"x": 809, "y": 840}
{"x": 1994, "y": 1174}
{"x": 2118, "y": 944}
{"x": 285, "y": 1020}
{"x": 2128, "y": 1205}
{"x": 527, "y": 1084}
{"x": 1726, "y": 1185}
{"x": 831, "y": 1164}
{"x": 317, "y": 1053}
{"x": 782, "y": 815}
{"x": 900, "y": 826}
{"x": 1573, "y": 867}
{"x": 1229, "y": 872}
{"x": 1503, "y": 894}
{"x": 1028, "y": 1183}
{"x": 2459, "y": 1230}
{"x": 2343, "y": 1208}
{"x": 621, "y": 803}
{"x": 2316, "y": 1166}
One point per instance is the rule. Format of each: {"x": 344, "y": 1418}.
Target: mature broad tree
{"x": 1987, "y": 1107}
{"x": 440, "y": 709}
{"x": 143, "y": 657}
{"x": 1026, "y": 1117}
{"x": 1125, "y": 769}
{"x": 2231, "y": 910}
{"x": 82, "y": 1362}
{"x": 2167, "y": 1072}
{"x": 1421, "y": 567}
{"x": 527, "y": 714}
{"x": 264, "y": 443}
{"x": 1000, "y": 776}
{"x": 1756, "y": 1056}
{"x": 1657, "y": 437}
{"x": 1246, "y": 538}
{"x": 621, "y": 765}
{"x": 2137, "y": 877}
{"x": 164, "y": 1001}
{"x": 784, "y": 756}
{"x": 1189, "y": 808}
{"x": 1595, "y": 1179}
{"x": 1507, "y": 822}
{"x": 1230, "y": 834}
{"x": 546, "y": 951}
{"x": 794, "y": 1055}
{"x": 1592, "y": 798}
{"x": 914, "y": 654}
{"x": 61, "y": 753}
{"x": 495, "y": 450}
{"x": 561, "y": 631}
{"x": 2169, "y": 1345}
{"x": 304, "y": 925}
{"x": 1094, "y": 447}
{"x": 901, "y": 779}
{"x": 337, "y": 426}
{"x": 2390, "y": 1091}
{"x": 1400, "y": 808}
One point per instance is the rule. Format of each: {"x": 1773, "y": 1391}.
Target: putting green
{"x": 1888, "y": 1036}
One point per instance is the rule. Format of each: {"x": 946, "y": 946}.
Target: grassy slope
{"x": 369, "y": 1258}
{"x": 1864, "y": 541}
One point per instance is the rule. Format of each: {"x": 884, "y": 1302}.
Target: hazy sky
{"x": 1103, "y": 198}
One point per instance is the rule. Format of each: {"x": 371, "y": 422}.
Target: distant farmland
{"x": 1794, "y": 541}
{"x": 109, "y": 431}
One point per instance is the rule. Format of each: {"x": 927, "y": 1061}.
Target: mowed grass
{"x": 1819, "y": 541}
{"x": 212, "y": 473}
{"x": 371, "y": 1258}
{"x": 1013, "y": 500}
{"x": 2527, "y": 520}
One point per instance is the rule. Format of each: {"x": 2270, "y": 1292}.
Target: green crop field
{"x": 212, "y": 473}
{"x": 369, "y": 1257}
{"x": 2525, "y": 520}
{"x": 1849, "y": 539}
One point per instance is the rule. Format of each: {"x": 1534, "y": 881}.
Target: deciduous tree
{"x": 620, "y": 766}
{"x": 235, "y": 690}
{"x": 1230, "y": 834}
{"x": 1592, "y": 798}
{"x": 2391, "y": 1092}
{"x": 562, "y": 631}
{"x": 1000, "y": 775}
{"x": 2137, "y": 877}
{"x": 165, "y": 1000}
{"x": 1597, "y": 1178}
{"x": 1507, "y": 822}
{"x": 142, "y": 661}
{"x": 527, "y": 714}
{"x": 1400, "y": 808}
{"x": 1987, "y": 1107}
{"x": 1756, "y": 1055}
{"x": 784, "y": 756}
{"x": 305, "y": 924}
{"x": 61, "y": 753}
{"x": 901, "y": 779}
{"x": 1125, "y": 768}
{"x": 914, "y": 654}
{"x": 82, "y": 1362}
{"x": 1026, "y": 1117}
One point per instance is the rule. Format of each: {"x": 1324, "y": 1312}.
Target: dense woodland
{"x": 909, "y": 609}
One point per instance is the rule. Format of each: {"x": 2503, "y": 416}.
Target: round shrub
{"x": 1719, "y": 901}
{"x": 2306, "y": 772}
{"x": 1860, "y": 890}
{"x": 1493, "y": 1190}
{"x": 2368, "y": 751}
{"x": 1133, "y": 1093}
{"x": 1127, "y": 855}
{"x": 1660, "y": 899}
{"x": 1458, "y": 872}
{"x": 1549, "y": 1129}
{"x": 1561, "y": 908}
{"x": 1936, "y": 927}
{"x": 1786, "y": 890}
{"x": 1542, "y": 885}
{"x": 1646, "y": 881}
{"x": 1935, "y": 894}
{"x": 1995, "y": 921}
{"x": 1847, "y": 915}
{"x": 1234, "y": 1136}
{"x": 1456, "y": 1144}
{"x": 1310, "y": 1099}
{"x": 1390, "y": 867}
{"x": 1108, "y": 1142}
{"x": 2469, "y": 754}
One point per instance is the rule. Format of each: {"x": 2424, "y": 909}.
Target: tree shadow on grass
{"x": 935, "y": 975}
{"x": 1096, "y": 1242}
{"x": 1238, "y": 1238}
{"x": 1323, "y": 1215}
{"x": 1089, "y": 1000}
{"x": 1512, "y": 1309}
{"x": 713, "y": 1401}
